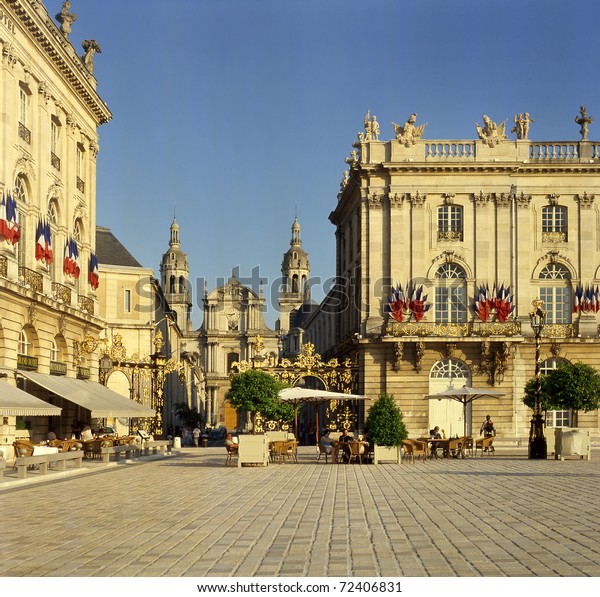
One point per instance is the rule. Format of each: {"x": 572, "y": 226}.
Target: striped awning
{"x": 101, "y": 401}
{"x": 17, "y": 403}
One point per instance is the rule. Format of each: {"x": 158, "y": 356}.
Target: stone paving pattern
{"x": 190, "y": 515}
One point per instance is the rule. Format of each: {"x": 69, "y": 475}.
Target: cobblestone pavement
{"x": 190, "y": 515}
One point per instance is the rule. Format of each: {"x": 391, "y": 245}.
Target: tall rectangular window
{"x": 557, "y": 303}
{"x": 23, "y": 106}
{"x": 554, "y": 223}
{"x": 127, "y": 303}
{"x": 450, "y": 222}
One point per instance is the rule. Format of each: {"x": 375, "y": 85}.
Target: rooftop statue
{"x": 522, "y": 125}
{"x": 491, "y": 133}
{"x": 65, "y": 18}
{"x": 409, "y": 134}
{"x": 583, "y": 121}
{"x": 90, "y": 46}
{"x": 371, "y": 129}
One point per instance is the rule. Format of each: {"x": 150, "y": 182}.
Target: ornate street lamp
{"x": 538, "y": 447}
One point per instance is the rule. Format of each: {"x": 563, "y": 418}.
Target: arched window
{"x": 172, "y": 285}
{"x": 450, "y": 222}
{"x": 450, "y": 294}
{"x": 450, "y": 369}
{"x": 554, "y": 223}
{"x": 24, "y": 343}
{"x": 181, "y": 284}
{"x": 232, "y": 357}
{"x": 295, "y": 283}
{"x": 54, "y": 352}
{"x": 555, "y": 291}
{"x": 555, "y": 418}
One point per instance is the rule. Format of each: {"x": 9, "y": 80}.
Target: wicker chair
{"x": 322, "y": 450}
{"x": 467, "y": 445}
{"x": 486, "y": 445}
{"x": 355, "y": 451}
{"x": 231, "y": 452}
{"x": 412, "y": 448}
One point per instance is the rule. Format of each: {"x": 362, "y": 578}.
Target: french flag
{"x": 482, "y": 303}
{"x": 9, "y": 229}
{"x": 40, "y": 252}
{"x": 397, "y": 304}
{"x": 418, "y": 303}
{"x": 94, "y": 277}
{"x": 71, "y": 262}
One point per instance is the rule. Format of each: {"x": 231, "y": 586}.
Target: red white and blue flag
{"x": 71, "y": 262}
{"x": 586, "y": 300}
{"x": 483, "y": 302}
{"x": 43, "y": 242}
{"x": 418, "y": 303}
{"x": 398, "y": 304}
{"x": 10, "y": 230}
{"x": 503, "y": 303}
{"x": 94, "y": 276}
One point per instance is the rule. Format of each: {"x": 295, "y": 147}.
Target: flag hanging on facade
{"x": 398, "y": 303}
{"x": 483, "y": 303}
{"x": 10, "y": 230}
{"x": 578, "y": 299}
{"x": 71, "y": 261}
{"x": 503, "y": 303}
{"x": 43, "y": 242}
{"x": 418, "y": 303}
{"x": 94, "y": 276}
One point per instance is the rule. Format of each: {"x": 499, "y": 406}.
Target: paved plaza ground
{"x": 190, "y": 515}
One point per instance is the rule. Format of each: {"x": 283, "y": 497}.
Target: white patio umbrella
{"x": 465, "y": 395}
{"x": 298, "y": 395}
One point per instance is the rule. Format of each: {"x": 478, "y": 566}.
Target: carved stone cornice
{"x": 482, "y": 199}
{"x": 585, "y": 201}
{"x": 416, "y": 200}
{"x": 60, "y": 52}
{"x": 44, "y": 92}
{"x": 94, "y": 149}
{"x": 504, "y": 199}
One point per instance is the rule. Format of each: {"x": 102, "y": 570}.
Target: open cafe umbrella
{"x": 465, "y": 395}
{"x": 298, "y": 395}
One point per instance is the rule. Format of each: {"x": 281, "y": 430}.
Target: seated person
{"x": 437, "y": 433}
{"x": 344, "y": 439}
{"x": 86, "y": 433}
{"x": 330, "y": 445}
{"x": 230, "y": 444}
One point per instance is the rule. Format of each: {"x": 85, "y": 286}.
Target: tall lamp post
{"x": 538, "y": 447}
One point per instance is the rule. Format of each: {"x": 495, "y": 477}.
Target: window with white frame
{"x": 450, "y": 222}
{"x": 20, "y": 196}
{"x": 54, "y": 352}
{"x": 555, "y": 291}
{"x": 450, "y": 294}
{"x": 24, "y": 343}
{"x": 555, "y": 418}
{"x": 23, "y": 106}
{"x": 127, "y": 301}
{"x": 554, "y": 223}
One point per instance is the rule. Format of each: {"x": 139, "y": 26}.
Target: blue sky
{"x": 239, "y": 113}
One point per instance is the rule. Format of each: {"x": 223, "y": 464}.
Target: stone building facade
{"x": 50, "y": 113}
{"x": 442, "y": 245}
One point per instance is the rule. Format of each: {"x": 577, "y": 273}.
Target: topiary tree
{"x": 572, "y": 386}
{"x": 255, "y": 392}
{"x": 384, "y": 423}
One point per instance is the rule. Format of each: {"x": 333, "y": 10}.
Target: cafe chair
{"x": 322, "y": 451}
{"x": 412, "y": 448}
{"x": 231, "y": 452}
{"x": 467, "y": 445}
{"x": 485, "y": 444}
{"x": 355, "y": 451}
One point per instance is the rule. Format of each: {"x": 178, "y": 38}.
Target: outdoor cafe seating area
{"x": 282, "y": 447}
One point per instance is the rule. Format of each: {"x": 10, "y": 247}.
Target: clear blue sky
{"x": 240, "y": 112}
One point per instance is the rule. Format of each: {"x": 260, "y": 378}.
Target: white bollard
{"x": 176, "y": 443}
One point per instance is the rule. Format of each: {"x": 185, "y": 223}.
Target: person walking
{"x": 487, "y": 427}
{"x": 196, "y": 435}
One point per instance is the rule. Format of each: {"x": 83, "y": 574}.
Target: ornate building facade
{"x": 50, "y": 113}
{"x": 442, "y": 245}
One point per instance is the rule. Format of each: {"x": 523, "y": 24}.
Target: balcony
{"x": 61, "y": 293}
{"x": 54, "y": 161}
{"x": 454, "y": 330}
{"x": 80, "y": 185}
{"x": 554, "y": 237}
{"x": 3, "y": 266}
{"x": 450, "y": 235}
{"x": 31, "y": 279}
{"x": 86, "y": 304}
{"x": 24, "y": 133}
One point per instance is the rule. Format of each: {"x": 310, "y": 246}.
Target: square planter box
{"x": 386, "y": 454}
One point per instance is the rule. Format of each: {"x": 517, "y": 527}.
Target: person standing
{"x": 487, "y": 427}
{"x": 196, "y": 436}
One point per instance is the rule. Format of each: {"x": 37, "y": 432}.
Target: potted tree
{"x": 572, "y": 386}
{"x": 385, "y": 429}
